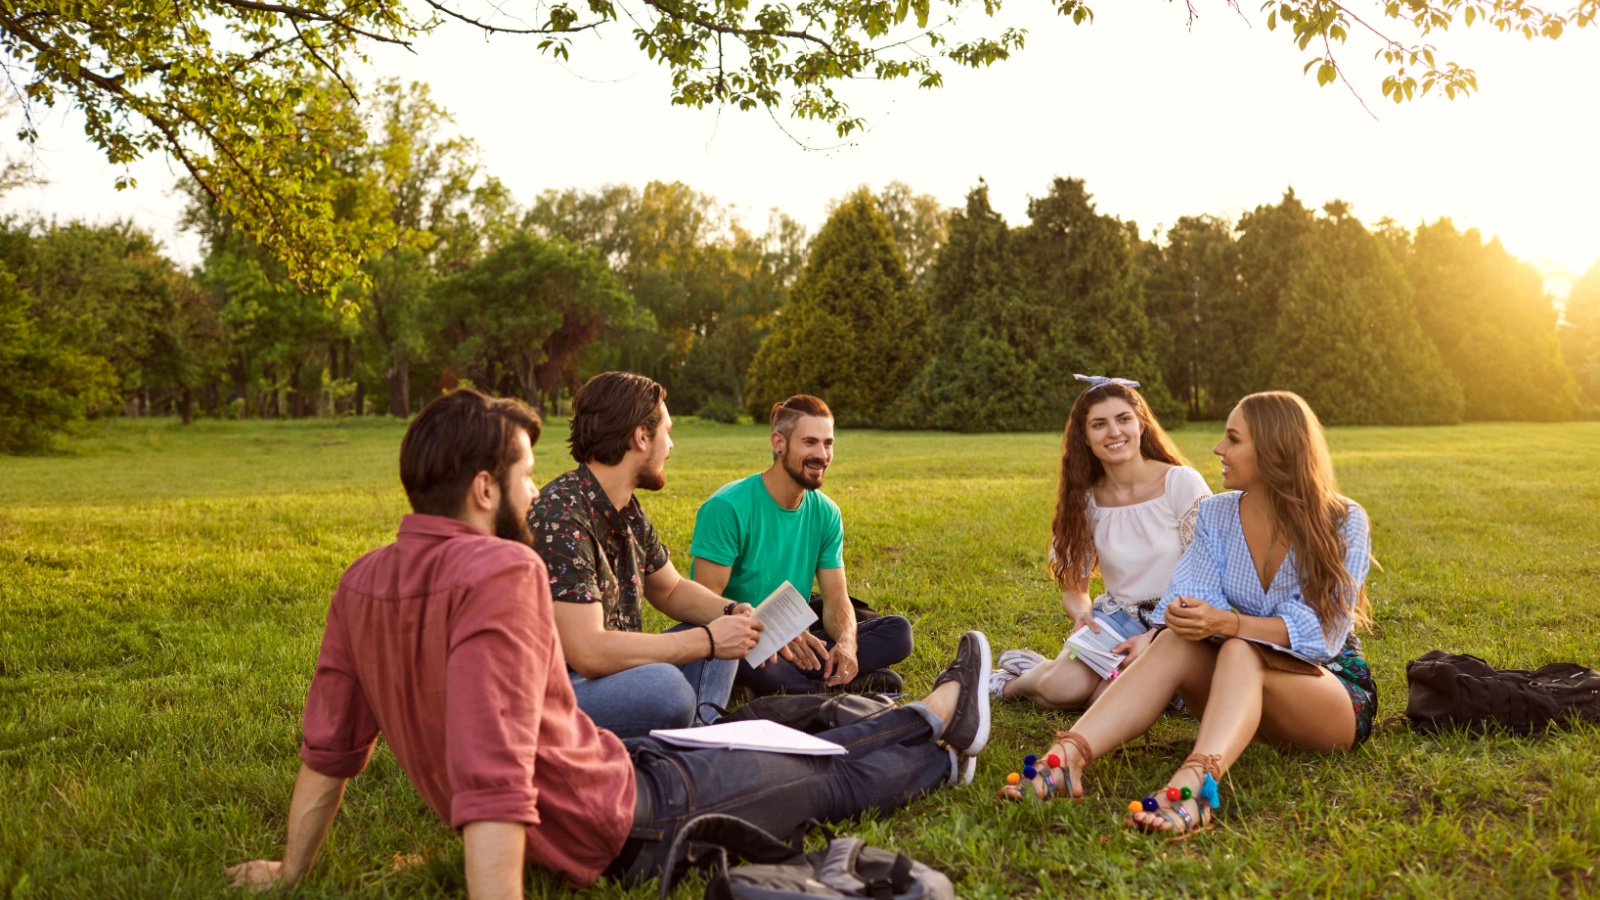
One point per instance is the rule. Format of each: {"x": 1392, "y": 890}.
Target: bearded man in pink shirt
{"x": 445, "y": 642}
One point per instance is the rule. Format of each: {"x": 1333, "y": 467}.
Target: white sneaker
{"x": 998, "y": 679}
{"x": 1019, "y": 660}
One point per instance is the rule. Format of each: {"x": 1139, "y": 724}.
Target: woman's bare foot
{"x": 1180, "y": 808}
{"x": 1066, "y": 779}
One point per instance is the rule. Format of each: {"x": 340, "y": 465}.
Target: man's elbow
{"x": 588, "y": 667}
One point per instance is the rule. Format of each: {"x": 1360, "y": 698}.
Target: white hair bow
{"x": 1098, "y": 380}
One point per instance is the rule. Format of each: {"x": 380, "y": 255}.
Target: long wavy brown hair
{"x": 1304, "y": 504}
{"x": 1072, "y": 559}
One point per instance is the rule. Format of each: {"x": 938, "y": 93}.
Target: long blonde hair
{"x": 1304, "y": 504}
{"x": 1072, "y": 556}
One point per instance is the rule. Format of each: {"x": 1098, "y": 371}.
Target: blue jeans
{"x": 659, "y": 695}
{"x": 880, "y": 643}
{"x": 893, "y": 758}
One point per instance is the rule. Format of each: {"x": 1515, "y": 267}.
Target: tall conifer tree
{"x": 1000, "y": 351}
{"x": 1488, "y": 314}
{"x": 1345, "y": 335}
{"x": 1192, "y": 288}
{"x": 1084, "y": 265}
{"x": 851, "y": 332}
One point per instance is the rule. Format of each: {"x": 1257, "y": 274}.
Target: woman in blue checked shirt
{"x": 1277, "y": 562}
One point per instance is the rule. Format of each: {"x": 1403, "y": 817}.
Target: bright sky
{"x": 1160, "y": 120}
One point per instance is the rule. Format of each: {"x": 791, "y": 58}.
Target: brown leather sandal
{"x": 1063, "y": 738}
{"x": 1183, "y": 826}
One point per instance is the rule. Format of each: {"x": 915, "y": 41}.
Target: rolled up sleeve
{"x": 1199, "y": 571}
{"x": 1306, "y": 635}
{"x": 495, "y": 687}
{"x": 339, "y": 729}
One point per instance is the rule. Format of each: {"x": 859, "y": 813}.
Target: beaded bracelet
{"x": 712, "y": 641}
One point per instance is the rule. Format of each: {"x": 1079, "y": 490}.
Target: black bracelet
{"x": 711, "y": 640}
{"x": 728, "y": 610}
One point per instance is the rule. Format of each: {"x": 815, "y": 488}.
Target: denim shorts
{"x": 1126, "y": 625}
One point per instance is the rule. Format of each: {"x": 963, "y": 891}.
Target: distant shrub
{"x": 719, "y": 408}
{"x": 47, "y": 386}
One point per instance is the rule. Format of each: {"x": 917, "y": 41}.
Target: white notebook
{"x": 1094, "y": 650}
{"x": 751, "y": 734}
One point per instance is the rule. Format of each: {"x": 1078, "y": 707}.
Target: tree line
{"x": 1372, "y": 325}
{"x": 902, "y": 313}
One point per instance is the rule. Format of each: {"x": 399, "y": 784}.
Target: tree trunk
{"x": 186, "y": 404}
{"x": 346, "y": 368}
{"x": 398, "y": 382}
{"x": 528, "y": 378}
{"x": 297, "y": 397}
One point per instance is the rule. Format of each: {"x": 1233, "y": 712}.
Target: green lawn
{"x": 162, "y": 592}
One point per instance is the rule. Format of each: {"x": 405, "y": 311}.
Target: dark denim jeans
{"x": 880, "y": 643}
{"x": 893, "y": 758}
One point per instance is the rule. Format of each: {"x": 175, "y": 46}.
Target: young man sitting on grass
{"x": 445, "y": 642}
{"x": 754, "y": 534}
{"x": 606, "y": 560}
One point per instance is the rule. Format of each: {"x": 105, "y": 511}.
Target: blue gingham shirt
{"x": 1218, "y": 569}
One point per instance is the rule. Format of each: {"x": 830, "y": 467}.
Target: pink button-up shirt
{"x": 445, "y": 642}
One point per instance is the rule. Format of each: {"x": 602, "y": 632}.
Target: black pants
{"x": 893, "y": 758}
{"x": 880, "y": 643}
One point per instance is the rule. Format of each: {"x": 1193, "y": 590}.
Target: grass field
{"x": 162, "y": 591}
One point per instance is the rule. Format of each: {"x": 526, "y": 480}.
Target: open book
{"x": 750, "y": 734}
{"x": 1094, "y": 650}
{"x": 783, "y": 615}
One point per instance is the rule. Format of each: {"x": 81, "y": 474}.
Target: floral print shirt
{"x": 595, "y": 552}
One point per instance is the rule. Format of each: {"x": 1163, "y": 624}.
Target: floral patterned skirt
{"x": 1350, "y": 667}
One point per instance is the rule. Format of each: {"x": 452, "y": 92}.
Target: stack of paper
{"x": 751, "y": 734}
{"x": 1094, "y": 650}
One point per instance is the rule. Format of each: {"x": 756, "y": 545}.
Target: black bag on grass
{"x": 847, "y": 868}
{"x": 1451, "y": 690}
{"x": 811, "y": 713}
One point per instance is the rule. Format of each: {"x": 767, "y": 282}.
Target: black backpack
{"x": 1450, "y": 690}
{"x": 847, "y": 868}
{"x": 811, "y": 713}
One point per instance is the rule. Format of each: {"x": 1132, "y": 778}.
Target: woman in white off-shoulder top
{"x": 1126, "y": 501}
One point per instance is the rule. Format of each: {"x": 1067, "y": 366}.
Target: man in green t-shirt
{"x": 754, "y": 534}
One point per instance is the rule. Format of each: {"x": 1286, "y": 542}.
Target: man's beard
{"x": 509, "y": 525}
{"x": 801, "y": 476}
{"x": 650, "y": 481}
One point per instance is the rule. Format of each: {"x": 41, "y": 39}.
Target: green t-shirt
{"x": 742, "y": 527}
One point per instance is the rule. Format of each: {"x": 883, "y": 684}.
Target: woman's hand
{"x": 1134, "y": 646}
{"x": 1079, "y": 608}
{"x": 1196, "y": 620}
{"x": 1085, "y": 619}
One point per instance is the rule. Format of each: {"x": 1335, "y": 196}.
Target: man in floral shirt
{"x": 603, "y": 554}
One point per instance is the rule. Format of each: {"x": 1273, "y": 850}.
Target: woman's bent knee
{"x": 1238, "y": 651}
